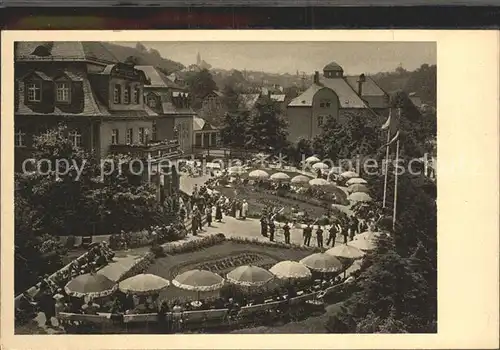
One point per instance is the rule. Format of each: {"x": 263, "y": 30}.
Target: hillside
{"x": 144, "y": 57}
{"x": 422, "y": 81}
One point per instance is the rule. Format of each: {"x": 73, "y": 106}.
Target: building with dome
{"x": 333, "y": 94}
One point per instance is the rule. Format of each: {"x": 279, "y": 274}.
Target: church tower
{"x": 198, "y": 59}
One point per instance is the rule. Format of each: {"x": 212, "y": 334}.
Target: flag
{"x": 392, "y": 127}
{"x": 391, "y": 141}
{"x": 392, "y": 123}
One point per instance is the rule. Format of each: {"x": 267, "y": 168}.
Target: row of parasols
{"x": 333, "y": 260}
{"x": 356, "y": 185}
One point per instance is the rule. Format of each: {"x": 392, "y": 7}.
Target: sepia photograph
{"x": 225, "y": 187}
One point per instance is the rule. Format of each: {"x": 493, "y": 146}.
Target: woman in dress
{"x": 218, "y": 212}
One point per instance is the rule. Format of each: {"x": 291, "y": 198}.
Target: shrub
{"x": 157, "y": 251}
{"x": 70, "y": 242}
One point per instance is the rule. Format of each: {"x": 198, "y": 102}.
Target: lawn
{"x": 170, "y": 266}
{"x": 258, "y": 200}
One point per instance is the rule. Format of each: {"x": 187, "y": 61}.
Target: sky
{"x": 288, "y": 57}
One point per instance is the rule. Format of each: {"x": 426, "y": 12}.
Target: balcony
{"x": 158, "y": 150}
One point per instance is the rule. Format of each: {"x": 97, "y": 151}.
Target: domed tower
{"x": 333, "y": 70}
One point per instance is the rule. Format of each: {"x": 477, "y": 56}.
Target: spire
{"x": 198, "y": 59}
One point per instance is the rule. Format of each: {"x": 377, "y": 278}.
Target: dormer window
{"x": 34, "y": 91}
{"x": 117, "y": 94}
{"x": 152, "y": 101}
{"x": 63, "y": 92}
{"x": 126, "y": 95}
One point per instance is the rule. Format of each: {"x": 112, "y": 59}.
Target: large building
{"x": 334, "y": 95}
{"x": 83, "y": 85}
{"x": 171, "y": 102}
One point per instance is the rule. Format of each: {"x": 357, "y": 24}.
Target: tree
{"x": 234, "y": 129}
{"x": 231, "y": 98}
{"x": 267, "y": 127}
{"x": 200, "y": 85}
{"x": 347, "y": 140}
{"x": 423, "y": 81}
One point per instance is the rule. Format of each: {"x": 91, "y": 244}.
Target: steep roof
{"x": 370, "y": 87}
{"x": 348, "y": 98}
{"x": 64, "y": 51}
{"x": 200, "y": 124}
{"x": 91, "y": 105}
{"x": 158, "y": 79}
{"x": 247, "y": 101}
{"x": 305, "y": 99}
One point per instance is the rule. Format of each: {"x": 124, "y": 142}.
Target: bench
{"x": 140, "y": 318}
{"x": 94, "y": 319}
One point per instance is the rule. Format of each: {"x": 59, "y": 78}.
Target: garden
{"x": 220, "y": 257}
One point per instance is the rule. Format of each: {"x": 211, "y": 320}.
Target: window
{"x": 136, "y": 96}
{"x": 126, "y": 95}
{"x": 34, "y": 92}
{"x": 117, "y": 94}
{"x": 154, "y": 133}
{"x": 114, "y": 137}
{"x": 213, "y": 139}
{"x": 76, "y": 138}
{"x": 152, "y": 101}
{"x": 320, "y": 120}
{"x": 62, "y": 92}
{"x": 142, "y": 135}
{"x": 325, "y": 104}
{"x": 19, "y": 139}
{"x": 130, "y": 136}
{"x": 146, "y": 136}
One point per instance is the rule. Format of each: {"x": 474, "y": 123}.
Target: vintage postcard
{"x": 276, "y": 183}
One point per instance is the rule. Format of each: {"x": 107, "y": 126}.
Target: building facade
{"x": 82, "y": 85}
{"x": 333, "y": 95}
{"x": 171, "y": 103}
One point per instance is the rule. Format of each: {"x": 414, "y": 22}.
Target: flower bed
{"x": 193, "y": 245}
{"x": 258, "y": 242}
{"x": 157, "y": 234}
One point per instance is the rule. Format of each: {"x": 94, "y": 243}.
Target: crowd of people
{"x": 50, "y": 292}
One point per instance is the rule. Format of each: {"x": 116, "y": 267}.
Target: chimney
{"x": 361, "y": 80}
{"x": 316, "y": 77}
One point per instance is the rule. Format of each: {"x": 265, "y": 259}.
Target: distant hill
{"x": 144, "y": 57}
{"x": 422, "y": 81}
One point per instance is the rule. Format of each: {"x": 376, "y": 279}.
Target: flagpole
{"x": 386, "y": 162}
{"x": 395, "y": 184}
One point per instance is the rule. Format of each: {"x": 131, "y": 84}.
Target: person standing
{"x": 272, "y": 227}
{"x": 286, "y": 233}
{"x": 332, "y": 235}
{"x": 199, "y": 220}
{"x": 208, "y": 213}
{"x": 194, "y": 222}
{"x": 244, "y": 209}
{"x": 352, "y": 228}
{"x": 307, "y": 234}
{"x": 263, "y": 225}
{"x": 233, "y": 208}
{"x": 319, "y": 236}
{"x": 218, "y": 212}
{"x": 343, "y": 231}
